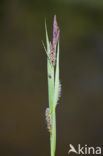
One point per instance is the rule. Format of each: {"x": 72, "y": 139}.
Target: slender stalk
{"x": 53, "y": 135}
{"x": 54, "y": 87}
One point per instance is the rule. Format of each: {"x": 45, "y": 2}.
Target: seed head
{"x": 52, "y": 55}
{"x": 56, "y": 32}
{"x": 48, "y": 119}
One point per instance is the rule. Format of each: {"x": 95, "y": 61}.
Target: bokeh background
{"x": 23, "y": 78}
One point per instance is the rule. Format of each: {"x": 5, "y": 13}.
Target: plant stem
{"x": 54, "y": 87}
{"x": 53, "y": 136}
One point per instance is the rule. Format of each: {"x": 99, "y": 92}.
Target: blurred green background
{"x": 23, "y": 78}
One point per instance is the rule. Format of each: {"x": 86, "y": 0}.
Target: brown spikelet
{"x": 56, "y": 32}
{"x": 59, "y": 92}
{"x": 52, "y": 55}
{"x": 48, "y": 119}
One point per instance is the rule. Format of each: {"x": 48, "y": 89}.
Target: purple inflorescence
{"x": 56, "y": 31}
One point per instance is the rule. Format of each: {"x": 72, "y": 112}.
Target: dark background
{"x": 23, "y": 77}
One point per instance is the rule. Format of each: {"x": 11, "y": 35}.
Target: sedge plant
{"x": 54, "y": 86}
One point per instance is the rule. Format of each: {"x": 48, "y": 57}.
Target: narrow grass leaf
{"x": 50, "y": 71}
{"x": 57, "y": 82}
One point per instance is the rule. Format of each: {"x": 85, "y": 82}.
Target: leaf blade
{"x": 57, "y": 82}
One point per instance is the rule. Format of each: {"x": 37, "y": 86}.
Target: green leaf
{"x": 55, "y": 99}
{"x": 50, "y": 71}
{"x": 44, "y": 46}
{"x": 57, "y": 83}
{"x": 47, "y": 38}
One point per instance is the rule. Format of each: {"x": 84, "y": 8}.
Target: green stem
{"x": 53, "y": 134}
{"x": 53, "y": 92}
{"x": 50, "y": 70}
